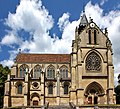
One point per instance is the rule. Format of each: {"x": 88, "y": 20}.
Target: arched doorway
{"x": 35, "y": 99}
{"x": 92, "y": 93}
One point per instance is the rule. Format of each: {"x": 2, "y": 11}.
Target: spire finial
{"x": 19, "y": 50}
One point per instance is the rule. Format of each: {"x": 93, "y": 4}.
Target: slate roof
{"x": 43, "y": 58}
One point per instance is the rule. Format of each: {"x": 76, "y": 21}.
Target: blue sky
{"x": 47, "y": 26}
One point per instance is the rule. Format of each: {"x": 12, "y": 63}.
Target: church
{"x": 86, "y": 76}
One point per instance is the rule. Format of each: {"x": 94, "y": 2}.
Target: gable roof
{"x": 43, "y": 58}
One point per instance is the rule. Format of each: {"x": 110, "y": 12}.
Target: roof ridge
{"x": 44, "y": 54}
{"x": 25, "y": 57}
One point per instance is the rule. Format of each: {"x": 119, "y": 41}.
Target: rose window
{"x": 93, "y": 62}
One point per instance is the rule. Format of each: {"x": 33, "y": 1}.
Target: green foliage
{"x": 119, "y": 78}
{"x": 117, "y": 91}
{"x": 3, "y": 76}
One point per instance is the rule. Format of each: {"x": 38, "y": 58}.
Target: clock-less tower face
{"x": 92, "y": 25}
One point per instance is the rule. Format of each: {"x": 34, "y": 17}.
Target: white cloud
{"x": 9, "y": 39}
{"x": 103, "y": 2}
{"x": 7, "y": 62}
{"x": 33, "y": 18}
{"x": 68, "y": 29}
{"x": 63, "y": 21}
{"x": 118, "y": 6}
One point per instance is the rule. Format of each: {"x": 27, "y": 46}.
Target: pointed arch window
{"x": 50, "y": 89}
{"x": 66, "y": 89}
{"x": 95, "y": 37}
{"x": 93, "y": 62}
{"x": 37, "y": 71}
{"x": 19, "y": 89}
{"x": 64, "y": 72}
{"x": 51, "y": 72}
{"x": 22, "y": 70}
{"x": 89, "y": 36}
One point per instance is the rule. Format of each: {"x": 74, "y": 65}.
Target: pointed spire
{"x": 83, "y": 21}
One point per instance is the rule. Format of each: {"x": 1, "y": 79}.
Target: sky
{"x": 48, "y": 26}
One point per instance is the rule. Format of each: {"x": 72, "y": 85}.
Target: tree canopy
{"x": 117, "y": 91}
{"x": 3, "y": 77}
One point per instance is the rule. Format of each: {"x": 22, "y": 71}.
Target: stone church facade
{"x": 86, "y": 76}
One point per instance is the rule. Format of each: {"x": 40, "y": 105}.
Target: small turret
{"x": 83, "y": 22}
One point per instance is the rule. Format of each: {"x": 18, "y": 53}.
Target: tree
{"x": 3, "y": 77}
{"x": 117, "y": 91}
{"x": 119, "y": 78}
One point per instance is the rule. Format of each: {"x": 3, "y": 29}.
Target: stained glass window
{"x": 20, "y": 89}
{"x": 65, "y": 89}
{"x": 93, "y": 62}
{"x": 37, "y": 71}
{"x": 64, "y": 72}
{"x": 22, "y": 70}
{"x": 51, "y": 72}
{"x": 50, "y": 89}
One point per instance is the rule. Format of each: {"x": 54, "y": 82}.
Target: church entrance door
{"x": 35, "y": 103}
{"x": 89, "y": 100}
{"x": 92, "y": 92}
{"x": 95, "y": 100}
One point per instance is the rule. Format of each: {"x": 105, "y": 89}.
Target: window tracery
{"x": 37, "y": 71}
{"x": 50, "y": 72}
{"x": 22, "y": 70}
{"x": 50, "y": 89}
{"x": 93, "y": 62}
{"x": 66, "y": 87}
{"x": 19, "y": 89}
{"x": 64, "y": 72}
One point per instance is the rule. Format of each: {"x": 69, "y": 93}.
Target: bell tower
{"x": 91, "y": 65}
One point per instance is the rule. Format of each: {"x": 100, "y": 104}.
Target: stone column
{"x": 73, "y": 87}
{"x": 26, "y": 88}
{"x": 73, "y": 96}
{"x": 43, "y": 86}
{"x": 7, "y": 102}
{"x": 110, "y": 90}
{"x": 58, "y": 87}
{"x": 80, "y": 96}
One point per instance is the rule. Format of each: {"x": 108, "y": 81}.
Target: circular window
{"x": 35, "y": 85}
{"x": 93, "y": 62}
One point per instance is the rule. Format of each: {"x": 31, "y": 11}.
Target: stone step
{"x": 59, "y": 107}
